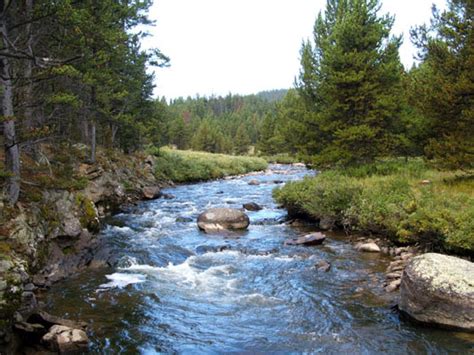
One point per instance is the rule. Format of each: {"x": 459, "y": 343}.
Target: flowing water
{"x": 173, "y": 288}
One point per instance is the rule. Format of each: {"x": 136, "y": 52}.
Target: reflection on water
{"x": 173, "y": 288}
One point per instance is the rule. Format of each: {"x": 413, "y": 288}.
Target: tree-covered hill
{"x": 229, "y": 124}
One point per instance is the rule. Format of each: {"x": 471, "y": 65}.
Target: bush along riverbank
{"x": 51, "y": 233}
{"x": 406, "y": 202}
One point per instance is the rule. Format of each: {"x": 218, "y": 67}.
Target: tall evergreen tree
{"x": 353, "y": 83}
{"x": 242, "y": 140}
{"x": 446, "y": 90}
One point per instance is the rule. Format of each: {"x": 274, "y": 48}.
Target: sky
{"x": 242, "y": 47}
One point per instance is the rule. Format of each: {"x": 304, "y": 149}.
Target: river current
{"x": 174, "y": 289}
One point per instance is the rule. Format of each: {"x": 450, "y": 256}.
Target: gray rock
{"x": 368, "y": 247}
{"x": 393, "y": 275}
{"x": 393, "y": 286}
{"x": 323, "y": 266}
{"x": 439, "y": 289}
{"x": 327, "y": 223}
{"x": 184, "y": 219}
{"x": 151, "y": 192}
{"x": 254, "y": 182}
{"x": 309, "y": 239}
{"x": 217, "y": 219}
{"x": 66, "y": 340}
{"x": 252, "y": 206}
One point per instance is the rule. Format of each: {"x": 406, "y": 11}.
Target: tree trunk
{"x": 85, "y": 128}
{"x": 114, "y": 133}
{"x": 93, "y": 124}
{"x": 93, "y": 141}
{"x": 12, "y": 151}
{"x": 29, "y": 69}
{"x": 30, "y": 121}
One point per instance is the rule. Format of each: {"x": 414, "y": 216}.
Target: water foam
{"x": 120, "y": 280}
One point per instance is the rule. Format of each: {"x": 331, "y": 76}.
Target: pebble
{"x": 393, "y": 286}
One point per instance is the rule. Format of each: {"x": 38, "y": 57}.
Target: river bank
{"x": 51, "y": 233}
{"x": 405, "y": 202}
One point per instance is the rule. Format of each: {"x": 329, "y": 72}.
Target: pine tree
{"x": 242, "y": 140}
{"x": 446, "y": 90}
{"x": 353, "y": 83}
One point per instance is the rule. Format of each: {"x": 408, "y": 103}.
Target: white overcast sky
{"x": 247, "y": 46}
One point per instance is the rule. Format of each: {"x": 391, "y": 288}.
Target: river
{"x": 172, "y": 288}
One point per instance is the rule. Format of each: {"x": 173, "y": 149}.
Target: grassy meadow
{"x": 406, "y": 201}
{"x": 190, "y": 166}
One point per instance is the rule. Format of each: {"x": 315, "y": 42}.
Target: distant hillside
{"x": 272, "y": 95}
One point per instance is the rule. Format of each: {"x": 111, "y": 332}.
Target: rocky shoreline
{"x": 56, "y": 237}
{"x": 439, "y": 293}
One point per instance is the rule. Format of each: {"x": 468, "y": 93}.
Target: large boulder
{"x": 216, "y": 219}
{"x": 439, "y": 289}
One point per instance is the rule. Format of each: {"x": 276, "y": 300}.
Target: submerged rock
{"x": 254, "y": 182}
{"x": 310, "y": 239}
{"x": 323, "y": 266}
{"x": 184, "y": 219}
{"x": 252, "y": 206}
{"x": 217, "y": 219}
{"x": 439, "y": 289}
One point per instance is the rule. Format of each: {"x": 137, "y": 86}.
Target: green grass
{"x": 390, "y": 199}
{"x": 282, "y": 158}
{"x": 189, "y": 166}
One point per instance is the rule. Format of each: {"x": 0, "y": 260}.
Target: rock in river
{"x": 216, "y": 219}
{"x": 439, "y": 289}
{"x": 252, "y": 206}
{"x": 66, "y": 340}
{"x": 368, "y": 247}
{"x": 309, "y": 239}
{"x": 151, "y": 192}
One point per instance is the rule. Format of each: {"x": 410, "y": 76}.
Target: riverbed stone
{"x": 439, "y": 289}
{"x": 323, "y": 266}
{"x": 308, "y": 240}
{"x": 217, "y": 219}
{"x": 327, "y": 223}
{"x": 254, "y": 182}
{"x": 368, "y": 247}
{"x": 151, "y": 192}
{"x": 66, "y": 340}
{"x": 252, "y": 206}
{"x": 393, "y": 286}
